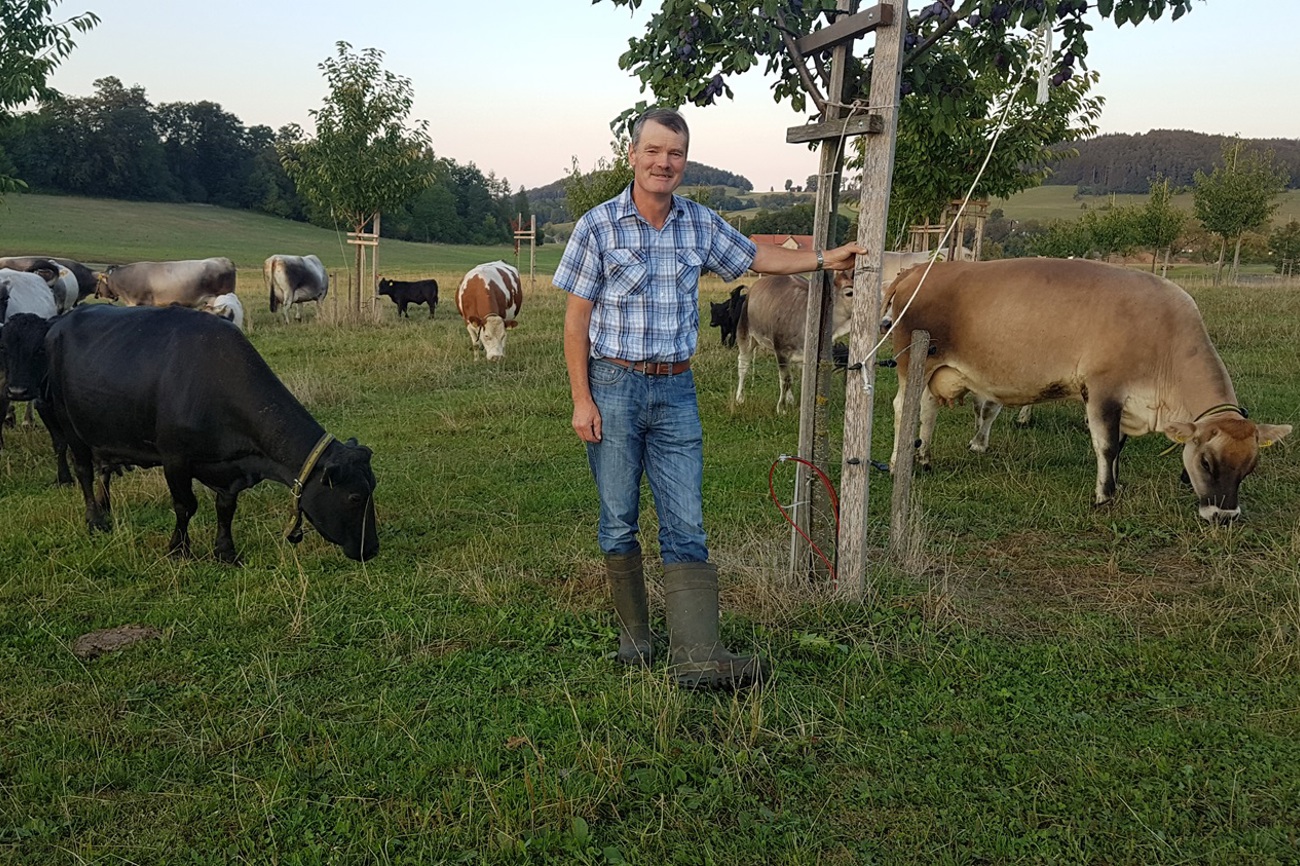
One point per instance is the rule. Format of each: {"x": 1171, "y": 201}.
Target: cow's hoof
{"x": 228, "y": 555}
{"x": 99, "y": 524}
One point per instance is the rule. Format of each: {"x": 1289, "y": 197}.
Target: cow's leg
{"x": 224, "y": 549}
{"x": 181, "y": 485}
{"x": 29, "y": 421}
{"x": 986, "y": 412}
{"x": 96, "y": 507}
{"x": 6, "y": 412}
{"x": 743, "y": 362}
{"x": 929, "y": 415}
{"x": 1107, "y": 442}
{"x": 57, "y": 439}
{"x": 401, "y": 310}
{"x": 297, "y": 312}
{"x": 473, "y": 339}
{"x": 1025, "y": 416}
{"x": 784, "y": 388}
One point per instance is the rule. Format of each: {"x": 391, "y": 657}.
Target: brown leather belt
{"x": 653, "y": 368}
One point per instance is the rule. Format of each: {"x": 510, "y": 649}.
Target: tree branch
{"x": 805, "y": 77}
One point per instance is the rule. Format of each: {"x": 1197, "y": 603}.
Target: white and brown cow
{"x": 488, "y": 299}
{"x": 188, "y": 283}
{"x": 773, "y": 318}
{"x": 1129, "y": 344}
{"x": 292, "y": 280}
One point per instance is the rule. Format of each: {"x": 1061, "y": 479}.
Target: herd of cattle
{"x": 155, "y": 356}
{"x": 1131, "y": 346}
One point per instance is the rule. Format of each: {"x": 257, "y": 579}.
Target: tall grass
{"x": 1048, "y": 683}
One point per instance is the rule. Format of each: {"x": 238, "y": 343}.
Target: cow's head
{"x": 842, "y": 311}
{"x": 25, "y": 361}
{"x": 492, "y": 334}
{"x": 339, "y": 499}
{"x": 1218, "y": 453}
{"x": 385, "y": 288}
{"x": 104, "y": 286}
{"x": 719, "y": 314}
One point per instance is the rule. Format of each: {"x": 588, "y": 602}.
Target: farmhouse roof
{"x": 790, "y": 242}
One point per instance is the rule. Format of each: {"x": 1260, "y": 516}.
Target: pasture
{"x": 1049, "y": 684}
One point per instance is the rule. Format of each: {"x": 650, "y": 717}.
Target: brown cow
{"x": 189, "y": 283}
{"x": 773, "y": 317}
{"x": 1130, "y": 345}
{"x": 489, "y": 299}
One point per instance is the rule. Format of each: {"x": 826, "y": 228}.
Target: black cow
{"x": 192, "y": 395}
{"x": 726, "y": 314}
{"x": 405, "y": 292}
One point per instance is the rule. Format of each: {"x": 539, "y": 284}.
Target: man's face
{"x": 658, "y": 160}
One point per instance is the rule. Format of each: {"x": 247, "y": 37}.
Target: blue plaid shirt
{"x": 645, "y": 282}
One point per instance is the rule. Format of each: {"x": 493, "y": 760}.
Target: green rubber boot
{"x": 627, "y": 587}
{"x": 696, "y": 657}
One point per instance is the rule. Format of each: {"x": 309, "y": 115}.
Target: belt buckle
{"x": 659, "y": 368}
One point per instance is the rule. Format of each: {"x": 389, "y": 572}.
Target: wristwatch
{"x": 821, "y": 261}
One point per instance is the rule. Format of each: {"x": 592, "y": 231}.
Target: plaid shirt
{"x": 645, "y": 282}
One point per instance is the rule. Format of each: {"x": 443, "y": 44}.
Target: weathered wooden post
{"x": 900, "y": 506}
{"x": 877, "y": 174}
{"x": 837, "y": 125}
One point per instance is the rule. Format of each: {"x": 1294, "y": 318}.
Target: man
{"x": 632, "y": 269}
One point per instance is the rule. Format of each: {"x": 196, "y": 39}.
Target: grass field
{"x": 1051, "y": 684}
{"x": 1046, "y": 203}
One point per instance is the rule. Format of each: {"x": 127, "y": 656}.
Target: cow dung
{"x": 106, "y": 640}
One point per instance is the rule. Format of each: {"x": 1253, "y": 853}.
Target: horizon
{"x": 526, "y": 113}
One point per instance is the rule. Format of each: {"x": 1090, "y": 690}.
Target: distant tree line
{"x": 1128, "y": 163}
{"x": 117, "y": 144}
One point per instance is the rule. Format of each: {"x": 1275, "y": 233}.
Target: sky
{"x": 520, "y": 88}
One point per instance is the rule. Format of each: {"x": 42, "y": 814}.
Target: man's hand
{"x": 586, "y": 422}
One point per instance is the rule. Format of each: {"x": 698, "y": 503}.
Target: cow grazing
{"x": 228, "y": 307}
{"x": 84, "y": 277}
{"x": 403, "y": 293}
{"x": 726, "y": 314}
{"x": 192, "y": 395}
{"x": 188, "y": 283}
{"x": 488, "y": 300}
{"x": 1130, "y": 345}
{"x": 773, "y": 317}
{"x": 295, "y": 280}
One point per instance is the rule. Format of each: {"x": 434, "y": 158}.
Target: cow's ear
{"x": 1180, "y": 431}
{"x": 512, "y": 324}
{"x": 1270, "y": 433}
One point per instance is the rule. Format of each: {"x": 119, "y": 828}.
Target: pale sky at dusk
{"x": 520, "y": 87}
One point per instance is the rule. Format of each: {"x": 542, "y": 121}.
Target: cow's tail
{"x": 270, "y": 284}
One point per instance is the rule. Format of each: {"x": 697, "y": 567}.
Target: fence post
{"x": 900, "y": 503}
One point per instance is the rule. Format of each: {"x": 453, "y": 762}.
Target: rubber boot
{"x": 627, "y": 587}
{"x": 696, "y": 656}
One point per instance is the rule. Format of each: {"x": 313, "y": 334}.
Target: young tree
{"x": 1237, "y": 196}
{"x": 582, "y": 192}
{"x": 363, "y": 159}
{"x": 959, "y": 57}
{"x": 1284, "y": 247}
{"x": 31, "y": 47}
{"x": 1160, "y": 222}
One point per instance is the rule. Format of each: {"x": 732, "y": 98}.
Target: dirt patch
{"x": 107, "y": 640}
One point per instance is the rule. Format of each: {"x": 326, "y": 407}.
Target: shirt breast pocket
{"x": 626, "y": 272}
{"x": 689, "y": 265}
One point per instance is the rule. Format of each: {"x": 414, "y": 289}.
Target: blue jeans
{"x": 650, "y": 425}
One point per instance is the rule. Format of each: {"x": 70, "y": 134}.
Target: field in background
{"x": 100, "y": 231}
{"x": 1049, "y": 684}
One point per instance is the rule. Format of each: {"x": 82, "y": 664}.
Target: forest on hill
{"x": 1120, "y": 163}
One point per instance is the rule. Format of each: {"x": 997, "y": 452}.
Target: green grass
{"x": 1047, "y": 203}
{"x": 1050, "y": 684}
{"x": 99, "y": 232}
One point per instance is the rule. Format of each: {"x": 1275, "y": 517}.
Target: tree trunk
{"x": 1218, "y": 268}
{"x": 1164, "y": 271}
{"x": 1236, "y": 260}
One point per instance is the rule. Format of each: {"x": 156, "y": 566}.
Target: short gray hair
{"x": 664, "y": 117}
